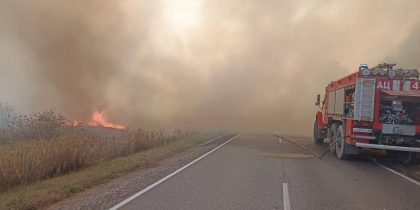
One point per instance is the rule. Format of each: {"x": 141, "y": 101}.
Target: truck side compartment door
{"x": 364, "y": 102}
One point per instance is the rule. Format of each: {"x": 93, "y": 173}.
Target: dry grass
{"x": 40, "y": 146}
{"x": 43, "y": 193}
{"x": 42, "y": 160}
{"x": 23, "y": 162}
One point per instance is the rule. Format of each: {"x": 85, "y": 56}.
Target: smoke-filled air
{"x": 200, "y": 64}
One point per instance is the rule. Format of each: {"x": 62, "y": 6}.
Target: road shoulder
{"x": 107, "y": 195}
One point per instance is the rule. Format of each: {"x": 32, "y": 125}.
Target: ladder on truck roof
{"x": 364, "y": 102}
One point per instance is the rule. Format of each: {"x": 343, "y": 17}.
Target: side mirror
{"x": 318, "y": 100}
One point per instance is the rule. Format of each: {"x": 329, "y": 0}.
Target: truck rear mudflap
{"x": 387, "y": 147}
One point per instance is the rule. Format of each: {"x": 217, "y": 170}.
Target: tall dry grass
{"x": 64, "y": 150}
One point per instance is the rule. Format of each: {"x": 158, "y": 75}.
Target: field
{"x": 43, "y": 160}
{"x": 23, "y": 162}
{"x": 42, "y": 193}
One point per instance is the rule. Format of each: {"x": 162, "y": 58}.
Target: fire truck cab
{"x": 376, "y": 108}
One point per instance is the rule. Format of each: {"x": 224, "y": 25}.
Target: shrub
{"x": 45, "y": 125}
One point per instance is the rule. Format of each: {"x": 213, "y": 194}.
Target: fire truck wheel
{"x": 317, "y": 137}
{"x": 340, "y": 146}
{"x": 407, "y": 158}
{"x": 332, "y": 132}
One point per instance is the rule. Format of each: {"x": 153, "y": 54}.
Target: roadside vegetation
{"x": 43, "y": 193}
{"x": 43, "y": 159}
{"x": 23, "y": 162}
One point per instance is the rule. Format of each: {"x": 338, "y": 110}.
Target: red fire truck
{"x": 376, "y": 108}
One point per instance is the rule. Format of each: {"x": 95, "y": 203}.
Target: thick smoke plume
{"x": 245, "y": 65}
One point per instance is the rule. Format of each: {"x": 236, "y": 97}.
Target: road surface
{"x": 259, "y": 171}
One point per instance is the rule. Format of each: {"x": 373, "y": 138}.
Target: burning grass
{"x": 41, "y": 146}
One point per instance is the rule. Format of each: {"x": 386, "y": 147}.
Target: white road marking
{"x": 397, "y": 173}
{"x": 168, "y": 176}
{"x": 286, "y": 199}
{"x": 280, "y": 141}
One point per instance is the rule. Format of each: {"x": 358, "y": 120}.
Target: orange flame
{"x": 99, "y": 119}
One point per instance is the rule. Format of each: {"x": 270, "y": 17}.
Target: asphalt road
{"x": 257, "y": 171}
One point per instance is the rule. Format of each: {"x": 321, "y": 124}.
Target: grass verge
{"x": 44, "y": 193}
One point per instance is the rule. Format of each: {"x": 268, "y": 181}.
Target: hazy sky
{"x": 239, "y": 64}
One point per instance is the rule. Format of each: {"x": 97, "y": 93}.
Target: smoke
{"x": 243, "y": 64}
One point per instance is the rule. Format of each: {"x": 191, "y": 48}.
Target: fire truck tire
{"x": 340, "y": 146}
{"x": 407, "y": 158}
{"x": 317, "y": 137}
{"x": 332, "y": 132}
